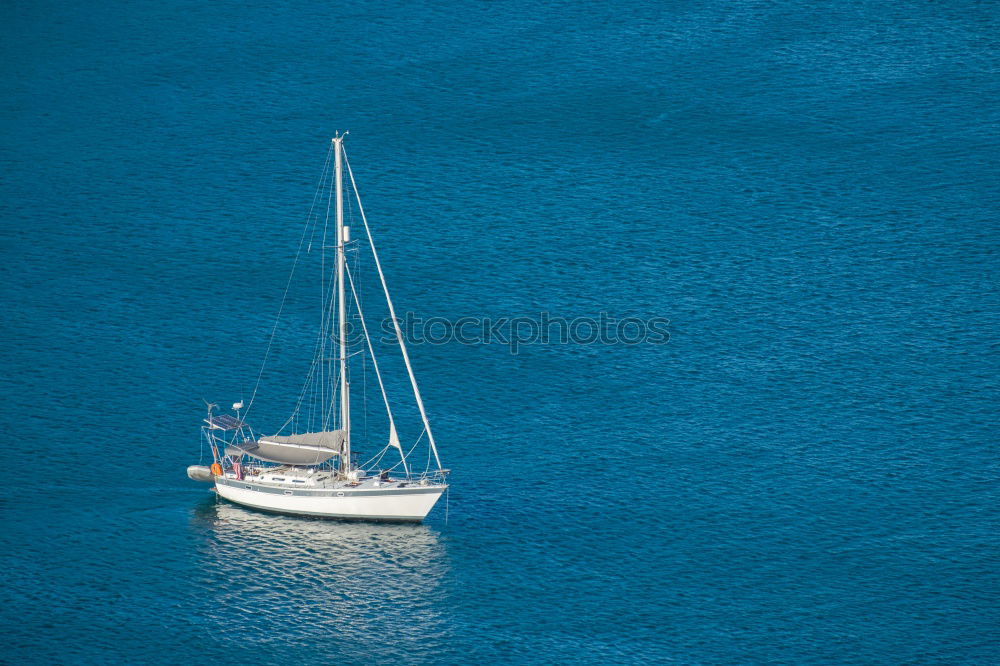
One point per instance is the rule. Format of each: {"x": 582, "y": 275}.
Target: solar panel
{"x": 224, "y": 422}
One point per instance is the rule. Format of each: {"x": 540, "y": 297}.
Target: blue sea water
{"x": 806, "y": 472}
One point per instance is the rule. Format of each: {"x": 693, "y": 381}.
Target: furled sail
{"x": 307, "y": 448}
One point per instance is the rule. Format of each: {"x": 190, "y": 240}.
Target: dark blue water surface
{"x": 806, "y": 473}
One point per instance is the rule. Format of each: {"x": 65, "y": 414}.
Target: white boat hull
{"x": 409, "y": 504}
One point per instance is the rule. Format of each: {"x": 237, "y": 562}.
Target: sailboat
{"x": 308, "y": 467}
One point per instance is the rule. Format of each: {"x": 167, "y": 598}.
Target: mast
{"x": 345, "y": 398}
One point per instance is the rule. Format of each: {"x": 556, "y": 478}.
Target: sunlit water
{"x": 805, "y": 473}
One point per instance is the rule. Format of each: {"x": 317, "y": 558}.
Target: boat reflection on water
{"x": 305, "y": 581}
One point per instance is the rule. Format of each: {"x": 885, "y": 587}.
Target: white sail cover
{"x": 307, "y": 448}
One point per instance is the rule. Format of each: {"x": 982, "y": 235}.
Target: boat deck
{"x": 289, "y": 476}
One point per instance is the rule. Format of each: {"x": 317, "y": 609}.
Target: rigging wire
{"x": 392, "y": 315}
{"x": 407, "y": 453}
{"x": 378, "y": 375}
{"x": 324, "y": 321}
{"x": 288, "y": 284}
{"x": 364, "y": 358}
